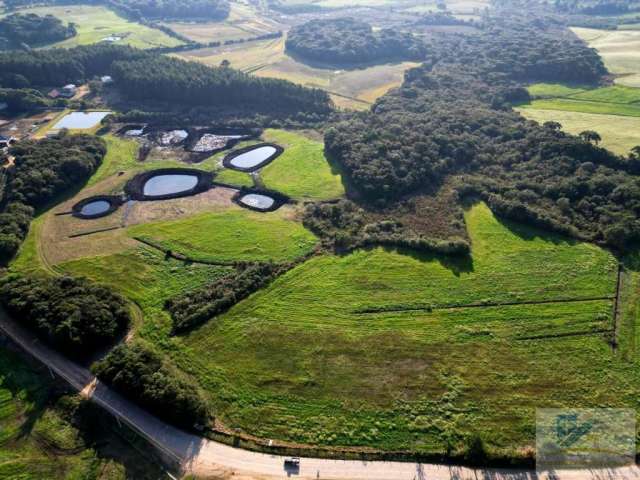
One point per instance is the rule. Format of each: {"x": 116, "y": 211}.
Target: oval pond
{"x": 95, "y": 208}
{"x": 257, "y": 201}
{"x": 253, "y": 158}
{"x": 169, "y": 184}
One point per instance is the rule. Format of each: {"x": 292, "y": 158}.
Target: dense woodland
{"x": 349, "y": 42}
{"x": 43, "y": 169}
{"x": 32, "y": 30}
{"x": 597, "y": 7}
{"x": 74, "y": 315}
{"x": 451, "y": 121}
{"x": 144, "y": 377}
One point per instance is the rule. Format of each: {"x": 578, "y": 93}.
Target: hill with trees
{"x": 451, "y": 122}
{"x": 32, "y": 29}
{"x": 350, "y": 42}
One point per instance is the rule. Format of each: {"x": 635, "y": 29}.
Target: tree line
{"x": 152, "y": 77}
{"x": 451, "y": 119}
{"x": 350, "y": 42}
{"x": 31, "y": 30}
{"x": 42, "y": 170}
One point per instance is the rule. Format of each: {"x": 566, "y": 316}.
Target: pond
{"x": 169, "y": 184}
{"x": 253, "y": 158}
{"x": 257, "y": 201}
{"x": 95, "y": 208}
{"x": 80, "y": 120}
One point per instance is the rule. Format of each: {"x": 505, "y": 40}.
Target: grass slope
{"x": 302, "y": 171}
{"x": 377, "y": 349}
{"x": 95, "y": 23}
{"x": 237, "y": 234}
{"x": 597, "y": 107}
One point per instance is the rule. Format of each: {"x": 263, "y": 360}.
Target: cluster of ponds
{"x": 174, "y": 184}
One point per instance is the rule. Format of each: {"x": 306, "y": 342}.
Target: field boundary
{"x": 482, "y": 305}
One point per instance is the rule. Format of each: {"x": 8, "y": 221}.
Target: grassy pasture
{"x": 383, "y": 348}
{"x": 585, "y": 106}
{"x": 235, "y": 234}
{"x": 553, "y": 90}
{"x": 354, "y": 89}
{"x": 619, "y": 134}
{"x": 234, "y": 177}
{"x": 95, "y": 23}
{"x": 619, "y": 49}
{"x": 243, "y": 22}
{"x": 302, "y": 171}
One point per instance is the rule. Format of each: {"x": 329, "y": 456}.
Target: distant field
{"x": 243, "y": 22}
{"x": 236, "y": 234}
{"x": 619, "y": 134}
{"x": 385, "y": 349}
{"x": 609, "y": 111}
{"x": 302, "y": 171}
{"x": 620, "y": 50}
{"x": 356, "y": 88}
{"x": 96, "y": 23}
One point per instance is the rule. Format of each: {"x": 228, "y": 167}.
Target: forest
{"x": 73, "y": 315}
{"x": 451, "y": 120}
{"x": 350, "y": 42}
{"x": 42, "y": 170}
{"x": 597, "y": 7}
{"x": 32, "y": 30}
{"x": 152, "y": 77}
{"x": 143, "y": 376}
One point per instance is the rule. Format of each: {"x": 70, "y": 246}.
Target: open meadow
{"x": 380, "y": 347}
{"x": 354, "y": 89}
{"x": 619, "y": 49}
{"x": 96, "y": 23}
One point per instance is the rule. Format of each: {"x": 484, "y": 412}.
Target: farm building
{"x": 6, "y": 141}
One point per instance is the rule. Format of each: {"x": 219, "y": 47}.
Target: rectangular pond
{"x": 80, "y": 120}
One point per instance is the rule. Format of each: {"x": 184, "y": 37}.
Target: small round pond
{"x": 169, "y": 184}
{"x": 96, "y": 207}
{"x": 257, "y": 201}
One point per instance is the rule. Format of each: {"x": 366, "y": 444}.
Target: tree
{"x": 554, "y": 126}
{"x": 591, "y": 136}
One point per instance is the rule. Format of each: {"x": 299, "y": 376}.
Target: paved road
{"x": 215, "y": 460}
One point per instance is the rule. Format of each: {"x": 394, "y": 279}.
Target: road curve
{"x": 210, "y": 459}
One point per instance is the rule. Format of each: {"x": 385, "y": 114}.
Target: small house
{"x": 68, "y": 91}
{"x": 6, "y": 142}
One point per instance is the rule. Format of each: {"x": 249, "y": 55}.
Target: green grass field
{"x": 302, "y": 171}
{"x": 397, "y": 350}
{"x": 619, "y": 134}
{"x": 234, "y": 177}
{"x": 235, "y": 234}
{"x": 597, "y": 107}
{"x": 95, "y": 23}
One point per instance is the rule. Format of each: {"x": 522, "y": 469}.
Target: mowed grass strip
{"x": 95, "y": 23}
{"x": 302, "y": 171}
{"x": 585, "y": 106}
{"x": 232, "y": 235}
{"x": 299, "y": 361}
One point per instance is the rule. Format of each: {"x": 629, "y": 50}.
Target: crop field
{"x": 611, "y": 111}
{"x": 619, "y": 49}
{"x": 96, "y": 23}
{"x": 619, "y": 134}
{"x": 235, "y": 234}
{"x": 398, "y": 350}
{"x": 354, "y": 89}
{"x": 302, "y": 171}
{"x": 243, "y": 22}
